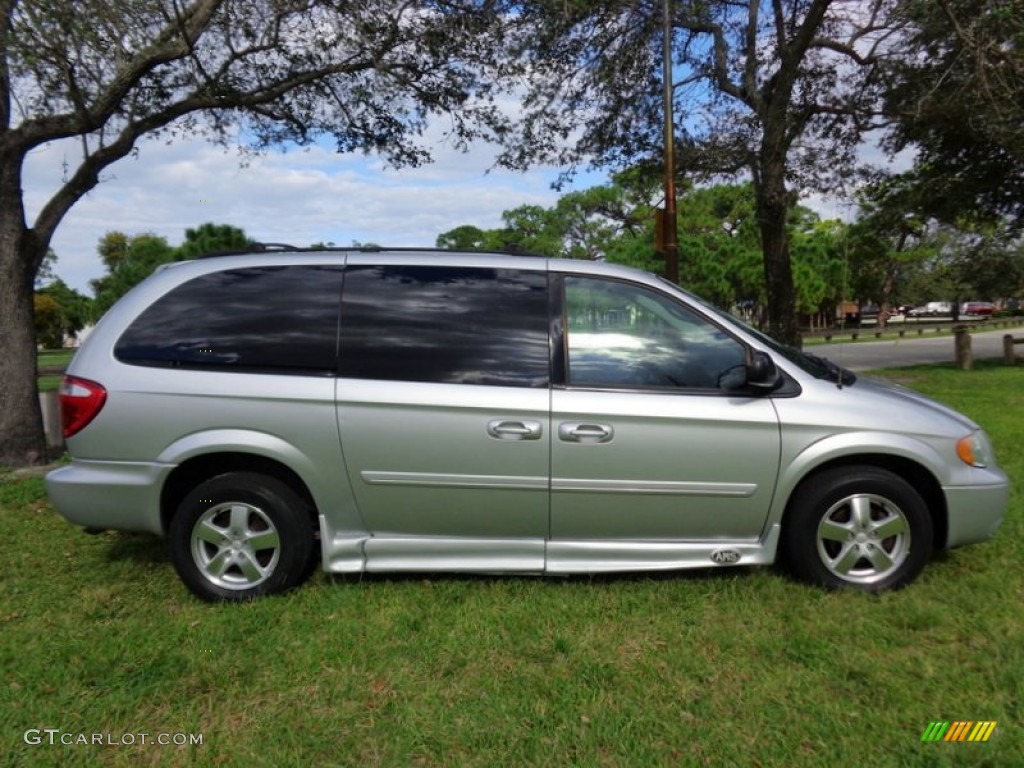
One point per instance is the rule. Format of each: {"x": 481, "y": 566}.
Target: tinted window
{"x": 626, "y": 336}
{"x": 275, "y": 319}
{"x": 445, "y": 324}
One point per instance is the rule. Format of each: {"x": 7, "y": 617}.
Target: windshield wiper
{"x": 833, "y": 372}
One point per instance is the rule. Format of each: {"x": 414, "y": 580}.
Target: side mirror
{"x": 762, "y": 375}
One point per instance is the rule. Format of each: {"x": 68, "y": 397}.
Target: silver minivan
{"x": 419, "y": 410}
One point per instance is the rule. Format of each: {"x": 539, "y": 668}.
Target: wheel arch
{"x": 919, "y": 476}
{"x": 197, "y": 469}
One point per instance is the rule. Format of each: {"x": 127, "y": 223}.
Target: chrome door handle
{"x": 575, "y": 432}
{"x": 505, "y": 429}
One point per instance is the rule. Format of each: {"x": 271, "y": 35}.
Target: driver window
{"x": 626, "y": 336}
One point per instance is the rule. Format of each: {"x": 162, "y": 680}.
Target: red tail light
{"x": 80, "y": 401}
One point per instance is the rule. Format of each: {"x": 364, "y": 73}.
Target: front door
{"x": 651, "y": 438}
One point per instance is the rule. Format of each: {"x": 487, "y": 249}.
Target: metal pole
{"x": 670, "y": 240}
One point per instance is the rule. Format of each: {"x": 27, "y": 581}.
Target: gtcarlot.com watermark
{"x": 56, "y": 736}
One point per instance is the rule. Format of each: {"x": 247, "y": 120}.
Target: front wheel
{"x": 861, "y": 527}
{"x": 241, "y": 535}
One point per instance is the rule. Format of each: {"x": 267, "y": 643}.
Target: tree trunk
{"x": 21, "y": 422}
{"x": 773, "y": 206}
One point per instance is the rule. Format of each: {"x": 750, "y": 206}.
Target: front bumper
{"x": 115, "y": 495}
{"x": 976, "y": 511}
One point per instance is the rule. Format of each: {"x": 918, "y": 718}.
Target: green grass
{"x": 55, "y": 358}
{"x": 50, "y": 382}
{"x": 51, "y": 361}
{"x": 738, "y": 667}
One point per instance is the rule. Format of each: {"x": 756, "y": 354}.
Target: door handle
{"x": 505, "y": 429}
{"x": 575, "y": 432}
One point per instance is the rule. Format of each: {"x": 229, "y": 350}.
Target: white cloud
{"x": 298, "y": 197}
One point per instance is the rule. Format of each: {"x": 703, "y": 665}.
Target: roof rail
{"x": 261, "y": 247}
{"x": 257, "y": 247}
{"x": 251, "y": 248}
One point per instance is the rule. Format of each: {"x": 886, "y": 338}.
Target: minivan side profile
{"x": 422, "y": 410}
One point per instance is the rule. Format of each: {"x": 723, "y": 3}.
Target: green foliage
{"x": 719, "y": 240}
{"x": 50, "y": 321}
{"x": 211, "y": 238}
{"x": 129, "y": 261}
{"x": 719, "y": 244}
{"x": 956, "y": 91}
{"x": 898, "y": 251}
{"x": 818, "y": 267}
{"x": 60, "y": 311}
{"x": 588, "y": 224}
{"x": 464, "y": 238}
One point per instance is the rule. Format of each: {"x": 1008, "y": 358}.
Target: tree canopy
{"x": 955, "y": 93}
{"x": 780, "y": 92}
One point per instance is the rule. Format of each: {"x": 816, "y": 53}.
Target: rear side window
{"x": 445, "y": 324}
{"x": 280, "y": 319}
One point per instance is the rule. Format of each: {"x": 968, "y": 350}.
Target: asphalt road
{"x": 912, "y": 350}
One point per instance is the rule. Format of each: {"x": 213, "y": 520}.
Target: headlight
{"x": 974, "y": 450}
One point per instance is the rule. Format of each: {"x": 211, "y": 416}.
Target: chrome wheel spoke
{"x": 860, "y": 511}
{"x": 891, "y": 526}
{"x": 833, "y": 531}
{"x": 259, "y": 540}
{"x": 880, "y": 559}
{"x": 252, "y": 570}
{"x": 239, "y": 517}
{"x": 219, "y": 563}
{"x": 848, "y": 557}
{"x": 208, "y": 532}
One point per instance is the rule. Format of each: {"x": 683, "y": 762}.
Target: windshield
{"x": 818, "y": 367}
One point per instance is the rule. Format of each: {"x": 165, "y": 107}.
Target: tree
{"x": 75, "y": 311}
{"x": 890, "y": 240}
{"x": 776, "y": 91}
{"x": 898, "y": 247}
{"x": 365, "y": 74}
{"x": 211, "y": 238}
{"x": 49, "y": 321}
{"x": 463, "y": 238}
{"x": 956, "y": 94}
{"x": 582, "y": 225}
{"x": 129, "y": 261}
{"x": 718, "y": 233}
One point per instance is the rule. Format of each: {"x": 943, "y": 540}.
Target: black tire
{"x": 242, "y": 535}
{"x": 857, "y": 527}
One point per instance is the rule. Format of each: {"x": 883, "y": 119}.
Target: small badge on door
{"x": 725, "y": 556}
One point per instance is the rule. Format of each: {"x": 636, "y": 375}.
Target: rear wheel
{"x": 861, "y": 527}
{"x": 241, "y": 535}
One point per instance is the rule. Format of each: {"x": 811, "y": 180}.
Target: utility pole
{"x": 667, "y": 236}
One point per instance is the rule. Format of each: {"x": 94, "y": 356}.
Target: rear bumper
{"x": 116, "y": 495}
{"x": 976, "y": 511}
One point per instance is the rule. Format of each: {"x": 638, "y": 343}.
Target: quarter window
{"x": 445, "y": 324}
{"x": 281, "y": 319}
{"x": 626, "y": 336}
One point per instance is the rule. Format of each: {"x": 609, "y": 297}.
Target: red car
{"x": 982, "y": 308}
